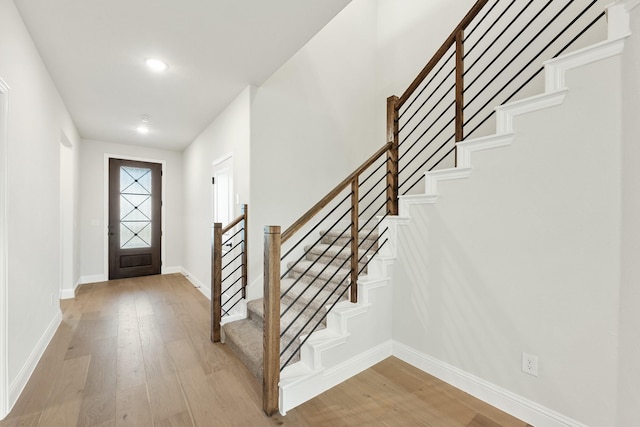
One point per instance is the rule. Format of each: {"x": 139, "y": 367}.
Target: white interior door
{"x": 222, "y": 183}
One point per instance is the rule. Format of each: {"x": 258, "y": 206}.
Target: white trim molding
{"x": 19, "y": 383}
{"x": 509, "y": 402}
{"x": 4, "y": 285}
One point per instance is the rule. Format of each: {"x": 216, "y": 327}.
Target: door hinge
{"x": 161, "y": 172}
{"x": 213, "y": 180}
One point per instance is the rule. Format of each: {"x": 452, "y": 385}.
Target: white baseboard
{"x": 69, "y": 293}
{"x": 92, "y": 279}
{"x": 18, "y": 384}
{"x": 172, "y": 270}
{"x": 196, "y": 283}
{"x": 294, "y": 392}
{"x": 524, "y": 409}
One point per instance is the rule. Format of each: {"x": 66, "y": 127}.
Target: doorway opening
{"x": 135, "y": 218}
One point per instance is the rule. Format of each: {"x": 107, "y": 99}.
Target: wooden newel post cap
{"x": 272, "y": 229}
{"x": 217, "y": 225}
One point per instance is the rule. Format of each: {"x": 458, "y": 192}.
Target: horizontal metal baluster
{"x": 372, "y": 218}
{"x": 433, "y": 92}
{"x": 374, "y": 254}
{"x": 327, "y": 265}
{"x": 308, "y": 285}
{"x": 523, "y": 69}
{"x": 406, "y": 108}
{"x": 517, "y": 55}
{"x": 322, "y": 236}
{"x": 420, "y": 178}
{"x": 340, "y": 296}
{"x": 232, "y": 284}
{"x": 437, "y": 104}
{"x": 498, "y": 37}
{"x": 234, "y": 235}
{"x": 449, "y": 123}
{"x": 231, "y": 261}
{"x": 384, "y": 190}
{"x": 375, "y": 184}
{"x": 315, "y": 227}
{"x": 469, "y": 33}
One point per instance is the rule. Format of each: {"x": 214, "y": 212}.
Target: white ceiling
{"x": 95, "y": 51}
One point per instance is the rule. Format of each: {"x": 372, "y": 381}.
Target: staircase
{"x": 317, "y": 281}
{"x": 356, "y": 334}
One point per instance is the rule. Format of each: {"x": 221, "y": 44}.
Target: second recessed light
{"x": 156, "y": 65}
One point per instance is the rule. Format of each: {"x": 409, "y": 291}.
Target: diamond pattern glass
{"x": 135, "y": 207}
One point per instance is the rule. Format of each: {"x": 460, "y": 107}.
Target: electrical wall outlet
{"x": 530, "y": 364}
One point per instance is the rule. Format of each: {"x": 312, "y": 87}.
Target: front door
{"x": 135, "y": 190}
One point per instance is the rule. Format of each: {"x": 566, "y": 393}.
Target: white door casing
{"x": 222, "y": 190}
{"x": 4, "y": 304}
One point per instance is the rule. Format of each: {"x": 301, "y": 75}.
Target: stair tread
{"x": 335, "y": 273}
{"x": 325, "y": 250}
{"x": 245, "y": 339}
{"x": 362, "y": 234}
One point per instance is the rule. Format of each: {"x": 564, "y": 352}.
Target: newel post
{"x": 271, "y": 301}
{"x": 216, "y": 281}
{"x": 392, "y": 155}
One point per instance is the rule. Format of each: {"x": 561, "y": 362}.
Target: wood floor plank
{"x": 97, "y": 409}
{"x": 133, "y": 407}
{"x": 63, "y": 414}
{"x": 166, "y": 398}
{"x": 137, "y": 352}
{"x": 130, "y": 363}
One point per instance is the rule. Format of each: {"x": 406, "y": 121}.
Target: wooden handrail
{"x": 441, "y": 52}
{"x": 332, "y": 194}
{"x": 233, "y": 223}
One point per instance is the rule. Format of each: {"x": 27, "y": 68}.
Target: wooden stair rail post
{"x": 271, "y": 301}
{"x": 245, "y": 248}
{"x": 216, "y": 281}
{"x": 354, "y": 240}
{"x": 392, "y": 155}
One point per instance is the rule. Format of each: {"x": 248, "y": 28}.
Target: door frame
{"x": 217, "y": 162}
{"x": 105, "y": 236}
{"x": 4, "y": 284}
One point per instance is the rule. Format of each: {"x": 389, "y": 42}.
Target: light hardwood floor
{"x": 136, "y": 352}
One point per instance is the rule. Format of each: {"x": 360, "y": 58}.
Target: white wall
{"x": 37, "y": 115}
{"x": 629, "y": 373}
{"x": 524, "y": 257}
{"x": 229, "y": 133}
{"x": 312, "y": 121}
{"x": 93, "y": 179}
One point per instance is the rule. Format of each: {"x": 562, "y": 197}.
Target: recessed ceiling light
{"x": 156, "y": 65}
{"x": 143, "y": 129}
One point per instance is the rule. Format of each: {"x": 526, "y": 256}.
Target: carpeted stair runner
{"x": 318, "y": 281}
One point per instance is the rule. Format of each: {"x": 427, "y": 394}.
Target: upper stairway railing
{"x": 228, "y": 268}
{"x": 493, "y": 56}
